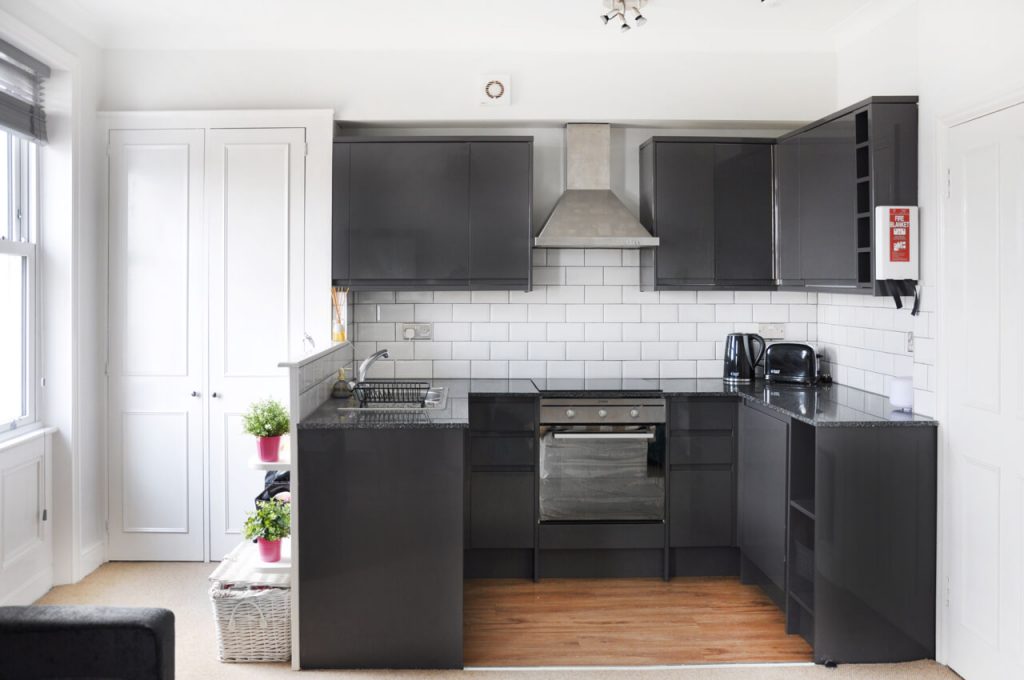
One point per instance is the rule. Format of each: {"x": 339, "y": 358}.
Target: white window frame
{"x": 23, "y": 193}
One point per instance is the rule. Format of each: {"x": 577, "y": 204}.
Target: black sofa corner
{"x": 117, "y": 643}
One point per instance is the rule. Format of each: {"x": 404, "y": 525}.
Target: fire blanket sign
{"x": 899, "y": 234}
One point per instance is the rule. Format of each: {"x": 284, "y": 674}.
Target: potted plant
{"x": 267, "y": 420}
{"x": 268, "y": 524}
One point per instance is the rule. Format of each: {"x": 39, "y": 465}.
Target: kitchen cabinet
{"x": 710, "y": 201}
{"x": 501, "y": 487}
{"x": 432, "y": 212}
{"x": 829, "y": 177}
{"x": 381, "y": 570}
{"x": 763, "y": 501}
{"x": 702, "y": 485}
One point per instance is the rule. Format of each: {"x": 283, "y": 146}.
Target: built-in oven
{"x": 602, "y": 460}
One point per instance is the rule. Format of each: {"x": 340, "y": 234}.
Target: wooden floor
{"x": 598, "y": 622}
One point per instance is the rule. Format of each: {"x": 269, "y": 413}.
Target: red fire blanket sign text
{"x": 899, "y": 235}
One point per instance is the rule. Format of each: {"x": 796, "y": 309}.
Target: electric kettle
{"x": 740, "y": 358}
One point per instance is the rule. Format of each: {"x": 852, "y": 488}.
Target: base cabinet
{"x": 763, "y": 455}
{"x": 702, "y": 508}
{"x": 501, "y": 509}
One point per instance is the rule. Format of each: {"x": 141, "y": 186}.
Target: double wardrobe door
{"x": 205, "y": 299}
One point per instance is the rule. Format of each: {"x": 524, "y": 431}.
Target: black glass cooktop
{"x": 598, "y": 388}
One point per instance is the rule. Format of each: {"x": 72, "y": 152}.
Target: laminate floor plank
{"x": 610, "y": 622}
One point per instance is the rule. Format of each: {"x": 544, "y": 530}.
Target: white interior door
{"x": 255, "y": 214}
{"x": 983, "y": 322}
{"x": 156, "y": 345}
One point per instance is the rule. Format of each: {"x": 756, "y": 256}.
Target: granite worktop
{"x": 455, "y": 414}
{"x": 827, "y": 405}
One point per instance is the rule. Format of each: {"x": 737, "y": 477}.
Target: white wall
{"x": 957, "y": 56}
{"x": 73, "y": 273}
{"x": 444, "y": 86}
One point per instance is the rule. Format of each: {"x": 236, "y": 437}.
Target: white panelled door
{"x": 255, "y": 187}
{"x": 983, "y": 325}
{"x": 156, "y": 345}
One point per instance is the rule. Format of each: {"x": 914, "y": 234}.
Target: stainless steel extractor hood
{"x": 589, "y": 214}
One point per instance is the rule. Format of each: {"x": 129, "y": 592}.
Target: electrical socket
{"x": 417, "y": 331}
{"x": 910, "y": 342}
{"x": 772, "y": 331}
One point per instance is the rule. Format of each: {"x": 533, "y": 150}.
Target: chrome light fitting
{"x": 619, "y": 10}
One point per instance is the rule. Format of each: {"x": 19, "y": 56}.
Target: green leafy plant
{"x": 271, "y": 521}
{"x": 267, "y": 418}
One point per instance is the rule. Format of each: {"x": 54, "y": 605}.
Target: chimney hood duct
{"x": 589, "y": 214}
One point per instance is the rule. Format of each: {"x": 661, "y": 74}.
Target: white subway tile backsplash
{"x": 601, "y": 257}
{"x": 471, "y": 312}
{"x": 659, "y": 313}
{"x": 414, "y": 296}
{"x": 584, "y": 276}
{"x": 548, "y": 276}
{"x": 508, "y": 312}
{"x": 433, "y": 312}
{"x": 546, "y": 351}
{"x": 488, "y": 369}
{"x": 565, "y": 257}
{"x": 528, "y": 331}
{"x": 621, "y": 276}
{"x": 587, "y": 316}
{"x": 508, "y": 351}
{"x": 546, "y": 312}
{"x": 622, "y": 313}
{"x": 603, "y": 294}
{"x": 565, "y": 294}
{"x": 584, "y": 313}
{"x": 584, "y": 350}
{"x": 490, "y": 332}
{"x": 602, "y": 369}
{"x": 622, "y": 351}
{"x": 565, "y": 331}
{"x": 467, "y": 351}
{"x": 640, "y": 331}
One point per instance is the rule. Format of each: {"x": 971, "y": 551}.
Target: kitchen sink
{"x": 436, "y": 399}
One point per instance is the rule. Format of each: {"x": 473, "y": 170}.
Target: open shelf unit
{"x": 865, "y": 199}
{"x": 800, "y": 568}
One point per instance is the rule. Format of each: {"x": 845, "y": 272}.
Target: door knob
{"x": 216, "y": 395}
{"x": 194, "y": 393}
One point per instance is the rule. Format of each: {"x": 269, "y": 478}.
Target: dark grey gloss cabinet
{"x": 432, "y": 212}
{"x": 710, "y": 201}
{"x": 501, "y": 487}
{"x": 829, "y": 177}
{"x": 763, "y": 500}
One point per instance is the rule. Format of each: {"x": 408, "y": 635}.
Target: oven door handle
{"x": 603, "y": 435}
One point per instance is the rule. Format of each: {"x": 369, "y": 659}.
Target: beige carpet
{"x": 182, "y": 587}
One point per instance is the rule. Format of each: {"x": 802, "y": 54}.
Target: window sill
{"x": 19, "y": 437}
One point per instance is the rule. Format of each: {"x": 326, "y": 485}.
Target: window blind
{"x": 21, "y": 92}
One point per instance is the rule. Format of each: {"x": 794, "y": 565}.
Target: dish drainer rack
{"x": 391, "y": 392}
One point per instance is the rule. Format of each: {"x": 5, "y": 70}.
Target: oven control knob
{"x": 569, "y": 413}
{"x": 601, "y": 413}
{"x": 635, "y": 413}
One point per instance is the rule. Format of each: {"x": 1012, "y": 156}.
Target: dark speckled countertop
{"x": 821, "y": 406}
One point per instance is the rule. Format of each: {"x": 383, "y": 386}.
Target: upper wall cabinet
{"x": 710, "y": 202}
{"x": 829, "y": 177}
{"x": 433, "y": 212}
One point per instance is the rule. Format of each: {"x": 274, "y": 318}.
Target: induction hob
{"x": 598, "y": 388}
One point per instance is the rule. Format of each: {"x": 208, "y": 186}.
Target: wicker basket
{"x": 253, "y": 624}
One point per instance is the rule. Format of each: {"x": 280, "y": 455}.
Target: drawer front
{"x": 703, "y": 414}
{"x": 700, "y": 449}
{"x": 601, "y": 536}
{"x": 514, "y": 451}
{"x": 503, "y": 415}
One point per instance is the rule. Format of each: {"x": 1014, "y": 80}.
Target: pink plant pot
{"x": 270, "y": 551}
{"x": 269, "y": 446}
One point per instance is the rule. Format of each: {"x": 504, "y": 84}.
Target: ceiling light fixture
{"x": 618, "y": 9}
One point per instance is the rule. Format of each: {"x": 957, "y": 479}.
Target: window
{"x": 18, "y": 235}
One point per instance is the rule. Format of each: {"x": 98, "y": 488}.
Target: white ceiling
{"x": 506, "y": 25}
